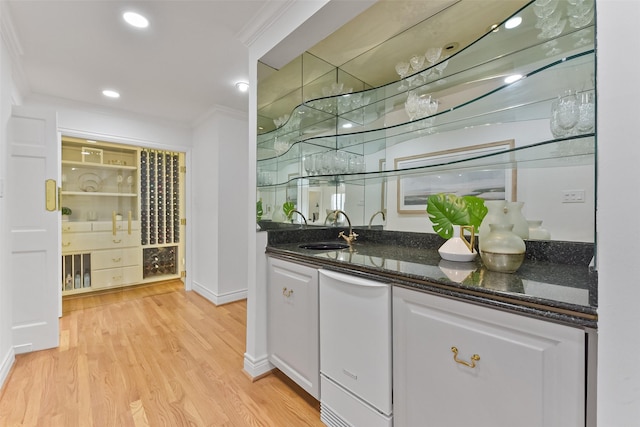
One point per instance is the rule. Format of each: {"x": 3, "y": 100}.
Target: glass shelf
{"x": 83, "y": 165}
{"x": 567, "y": 152}
{"x": 474, "y": 72}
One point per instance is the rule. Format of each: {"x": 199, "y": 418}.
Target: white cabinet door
{"x": 509, "y": 370}
{"x": 292, "y": 317}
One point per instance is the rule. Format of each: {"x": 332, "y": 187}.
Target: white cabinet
{"x": 509, "y": 370}
{"x": 292, "y": 322}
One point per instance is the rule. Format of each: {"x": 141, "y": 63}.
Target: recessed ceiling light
{"x": 110, "y": 93}
{"x": 513, "y": 22}
{"x": 135, "y": 20}
{"x": 347, "y": 125}
{"x": 242, "y": 86}
{"x": 512, "y": 78}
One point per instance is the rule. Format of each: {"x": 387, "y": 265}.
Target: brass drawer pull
{"x": 116, "y": 259}
{"x": 287, "y": 292}
{"x": 471, "y": 364}
{"x": 117, "y": 241}
{"x": 65, "y": 244}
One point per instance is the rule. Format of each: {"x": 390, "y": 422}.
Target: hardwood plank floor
{"x": 149, "y": 356}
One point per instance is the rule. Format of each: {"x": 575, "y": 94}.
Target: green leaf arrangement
{"x": 259, "y": 211}
{"x": 446, "y": 210}
{"x": 288, "y": 208}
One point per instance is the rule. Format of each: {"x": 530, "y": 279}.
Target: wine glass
{"x": 433, "y": 54}
{"x": 402, "y": 68}
{"x": 568, "y": 110}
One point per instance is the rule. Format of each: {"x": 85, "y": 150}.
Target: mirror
{"x": 312, "y": 158}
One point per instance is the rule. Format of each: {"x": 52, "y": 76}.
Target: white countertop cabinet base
{"x": 528, "y": 372}
{"x": 292, "y": 323}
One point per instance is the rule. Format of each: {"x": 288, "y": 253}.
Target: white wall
{"x": 6, "y": 89}
{"x": 539, "y": 188}
{"x": 618, "y": 237}
{"x": 219, "y": 215}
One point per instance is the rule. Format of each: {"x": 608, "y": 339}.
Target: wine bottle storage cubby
{"x": 76, "y": 271}
{"x": 160, "y": 197}
{"x": 160, "y": 261}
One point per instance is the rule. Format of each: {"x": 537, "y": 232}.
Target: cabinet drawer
{"x": 81, "y": 242}
{"x": 121, "y": 226}
{"x": 116, "y": 258}
{"x": 75, "y": 227}
{"x": 116, "y": 277}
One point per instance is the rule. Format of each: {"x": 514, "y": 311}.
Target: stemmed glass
{"x": 417, "y": 62}
{"x": 402, "y": 68}
{"x": 433, "y": 54}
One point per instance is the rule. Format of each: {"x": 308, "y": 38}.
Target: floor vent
{"x": 330, "y": 418}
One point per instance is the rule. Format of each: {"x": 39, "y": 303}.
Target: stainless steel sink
{"x": 324, "y": 246}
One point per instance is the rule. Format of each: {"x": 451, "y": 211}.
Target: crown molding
{"x": 14, "y": 48}
{"x": 262, "y": 20}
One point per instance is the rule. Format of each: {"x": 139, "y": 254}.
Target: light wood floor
{"x": 150, "y": 356}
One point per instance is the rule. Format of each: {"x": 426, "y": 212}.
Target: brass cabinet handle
{"x": 471, "y": 364}
{"x": 65, "y": 244}
{"x": 287, "y": 292}
{"x": 129, "y": 229}
{"x": 117, "y": 241}
{"x": 113, "y": 222}
{"x": 116, "y": 259}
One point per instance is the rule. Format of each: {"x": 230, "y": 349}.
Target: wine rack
{"x": 160, "y": 197}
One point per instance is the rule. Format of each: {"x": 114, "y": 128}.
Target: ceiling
{"x": 188, "y": 60}
{"x": 182, "y": 66}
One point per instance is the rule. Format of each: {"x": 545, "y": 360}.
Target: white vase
{"x": 515, "y": 217}
{"x": 537, "y": 232}
{"x": 495, "y": 215}
{"x": 459, "y": 248}
{"x": 278, "y": 214}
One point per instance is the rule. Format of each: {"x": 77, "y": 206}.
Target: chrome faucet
{"x": 352, "y": 236}
{"x": 381, "y": 212}
{"x": 299, "y": 213}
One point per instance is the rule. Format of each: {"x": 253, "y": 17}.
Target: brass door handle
{"x": 287, "y": 292}
{"x": 471, "y": 364}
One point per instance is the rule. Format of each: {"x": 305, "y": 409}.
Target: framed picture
{"x": 91, "y": 155}
{"x": 489, "y": 184}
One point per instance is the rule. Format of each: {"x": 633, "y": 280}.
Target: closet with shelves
{"x": 121, "y": 209}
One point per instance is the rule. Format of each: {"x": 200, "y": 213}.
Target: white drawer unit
{"x": 116, "y": 277}
{"x": 116, "y": 258}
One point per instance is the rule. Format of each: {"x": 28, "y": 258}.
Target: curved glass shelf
{"x": 528, "y": 99}
{"x": 472, "y": 73}
{"x": 567, "y": 152}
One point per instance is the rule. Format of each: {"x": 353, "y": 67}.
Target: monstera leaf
{"x": 259, "y": 211}
{"x": 288, "y": 208}
{"x": 447, "y": 210}
{"x": 477, "y": 210}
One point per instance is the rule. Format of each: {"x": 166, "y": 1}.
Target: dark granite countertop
{"x": 555, "y": 282}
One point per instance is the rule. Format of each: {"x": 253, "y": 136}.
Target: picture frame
{"x": 496, "y": 184}
{"x": 92, "y": 155}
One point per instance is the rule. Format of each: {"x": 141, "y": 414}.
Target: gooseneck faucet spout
{"x": 352, "y": 236}
{"x": 381, "y": 212}
{"x": 299, "y": 213}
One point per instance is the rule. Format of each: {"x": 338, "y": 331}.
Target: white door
{"x": 34, "y": 158}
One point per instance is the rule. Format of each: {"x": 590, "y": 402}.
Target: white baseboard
{"x": 7, "y": 363}
{"x": 219, "y": 299}
{"x": 257, "y": 368}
